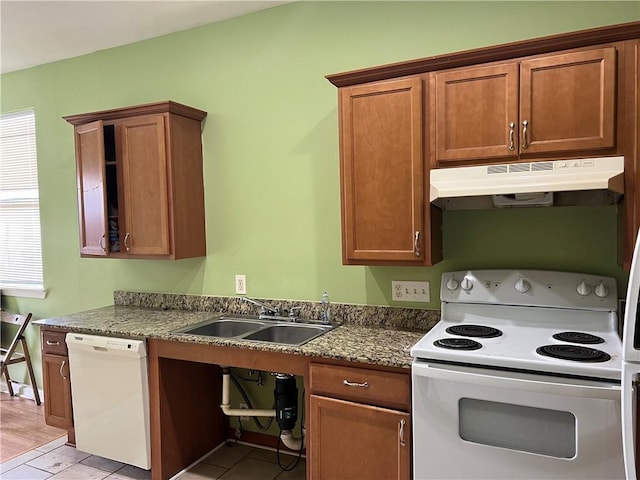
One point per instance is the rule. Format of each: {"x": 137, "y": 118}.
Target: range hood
{"x": 583, "y": 181}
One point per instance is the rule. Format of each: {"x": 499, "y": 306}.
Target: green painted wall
{"x": 271, "y": 150}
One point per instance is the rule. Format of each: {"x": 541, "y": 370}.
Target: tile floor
{"x": 57, "y": 461}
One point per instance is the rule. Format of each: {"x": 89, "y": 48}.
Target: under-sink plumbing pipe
{"x": 286, "y": 398}
{"x": 286, "y": 436}
{"x": 239, "y": 412}
{"x": 292, "y": 443}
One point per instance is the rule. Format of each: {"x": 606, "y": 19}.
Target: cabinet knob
{"x": 416, "y": 245}
{"x": 525, "y": 142}
{"x": 64, "y": 362}
{"x": 102, "y": 243}
{"x": 126, "y": 241}
{"x": 401, "y": 433}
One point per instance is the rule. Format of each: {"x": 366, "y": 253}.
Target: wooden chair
{"x": 9, "y": 356}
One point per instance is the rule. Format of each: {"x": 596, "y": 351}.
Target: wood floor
{"x": 22, "y": 427}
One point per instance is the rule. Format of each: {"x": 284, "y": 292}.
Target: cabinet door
{"x": 141, "y": 151}
{"x": 355, "y": 441}
{"x": 382, "y": 173}
{"x": 568, "y": 102}
{"x": 92, "y": 205}
{"x": 57, "y": 391}
{"x": 476, "y": 113}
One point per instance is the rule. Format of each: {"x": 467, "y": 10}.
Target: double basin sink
{"x": 257, "y": 329}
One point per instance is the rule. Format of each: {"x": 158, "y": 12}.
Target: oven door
{"x": 477, "y": 423}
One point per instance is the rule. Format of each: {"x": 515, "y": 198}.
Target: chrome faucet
{"x": 264, "y": 308}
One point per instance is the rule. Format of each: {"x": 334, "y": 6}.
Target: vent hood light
{"x": 586, "y": 181}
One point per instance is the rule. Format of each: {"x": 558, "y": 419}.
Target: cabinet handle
{"x": 126, "y": 241}
{"x": 354, "y": 384}
{"x": 102, "y": 243}
{"x": 512, "y": 145}
{"x": 61, "y": 368}
{"x": 525, "y": 143}
{"x": 401, "y": 433}
{"x": 416, "y": 246}
{"x": 53, "y": 344}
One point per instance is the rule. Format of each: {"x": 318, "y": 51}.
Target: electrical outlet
{"x": 244, "y": 405}
{"x": 410, "y": 291}
{"x": 241, "y": 284}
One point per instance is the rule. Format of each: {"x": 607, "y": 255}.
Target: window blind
{"x": 20, "y": 242}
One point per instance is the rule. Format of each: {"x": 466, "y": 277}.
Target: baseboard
{"x": 21, "y": 390}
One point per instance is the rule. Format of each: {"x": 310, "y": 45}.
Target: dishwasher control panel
{"x": 124, "y": 346}
{"x": 119, "y": 344}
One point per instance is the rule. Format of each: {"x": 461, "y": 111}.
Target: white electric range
{"x": 520, "y": 378}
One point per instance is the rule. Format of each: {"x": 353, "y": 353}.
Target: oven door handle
{"x": 518, "y": 381}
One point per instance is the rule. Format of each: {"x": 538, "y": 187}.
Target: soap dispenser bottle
{"x": 325, "y": 306}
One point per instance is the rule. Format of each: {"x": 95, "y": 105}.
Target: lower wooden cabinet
{"x": 58, "y": 410}
{"x": 359, "y": 424}
{"x": 354, "y": 441}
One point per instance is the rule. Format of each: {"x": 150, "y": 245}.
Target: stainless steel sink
{"x": 257, "y": 330}
{"x": 289, "y": 333}
{"x": 224, "y": 327}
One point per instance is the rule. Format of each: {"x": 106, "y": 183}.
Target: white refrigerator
{"x": 631, "y": 367}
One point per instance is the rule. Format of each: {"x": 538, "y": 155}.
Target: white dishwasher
{"x": 110, "y": 396}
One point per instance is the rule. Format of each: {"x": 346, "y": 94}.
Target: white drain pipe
{"x": 291, "y": 442}
{"x": 239, "y": 412}
{"x": 286, "y": 436}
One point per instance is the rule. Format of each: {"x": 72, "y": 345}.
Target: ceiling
{"x": 37, "y": 32}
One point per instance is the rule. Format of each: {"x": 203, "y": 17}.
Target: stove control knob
{"x": 522, "y": 286}
{"x": 583, "y": 289}
{"x": 601, "y": 290}
{"x": 466, "y": 284}
{"x": 452, "y": 284}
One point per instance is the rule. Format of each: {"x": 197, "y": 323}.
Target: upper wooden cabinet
{"x": 92, "y": 188}
{"x": 568, "y": 102}
{"x": 475, "y": 112}
{"x": 140, "y": 183}
{"x": 386, "y": 218}
{"x": 577, "y": 92}
{"x": 543, "y": 106}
